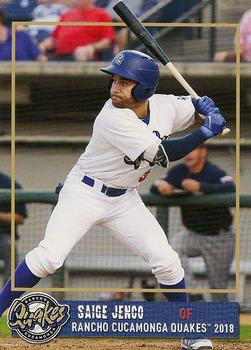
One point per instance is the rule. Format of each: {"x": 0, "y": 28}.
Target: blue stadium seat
{"x": 18, "y": 10}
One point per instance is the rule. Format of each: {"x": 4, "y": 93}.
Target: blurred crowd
{"x": 46, "y": 41}
{"x": 49, "y": 41}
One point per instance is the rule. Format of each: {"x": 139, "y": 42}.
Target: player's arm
{"x": 178, "y": 148}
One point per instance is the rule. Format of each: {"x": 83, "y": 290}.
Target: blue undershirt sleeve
{"x": 179, "y": 147}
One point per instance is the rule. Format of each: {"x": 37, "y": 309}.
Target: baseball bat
{"x": 148, "y": 40}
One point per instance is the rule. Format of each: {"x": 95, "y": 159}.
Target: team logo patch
{"x": 120, "y": 58}
{"x": 37, "y": 317}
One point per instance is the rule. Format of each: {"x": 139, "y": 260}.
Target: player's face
{"x": 121, "y": 92}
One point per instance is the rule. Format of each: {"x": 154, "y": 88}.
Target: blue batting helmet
{"x": 137, "y": 66}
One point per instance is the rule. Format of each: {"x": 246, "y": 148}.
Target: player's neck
{"x": 141, "y": 109}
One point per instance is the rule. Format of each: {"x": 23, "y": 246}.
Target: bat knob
{"x": 225, "y": 131}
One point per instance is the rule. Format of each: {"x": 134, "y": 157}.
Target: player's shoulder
{"x": 169, "y": 98}
{"x": 171, "y": 102}
{"x": 161, "y": 98}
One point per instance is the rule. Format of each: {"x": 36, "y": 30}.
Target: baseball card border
{"x": 237, "y": 159}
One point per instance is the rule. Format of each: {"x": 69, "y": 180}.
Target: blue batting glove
{"x": 205, "y": 105}
{"x": 214, "y": 125}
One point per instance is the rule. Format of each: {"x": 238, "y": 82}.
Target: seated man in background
{"x": 81, "y": 43}
{"x": 5, "y": 225}
{"x": 245, "y": 42}
{"x": 26, "y": 50}
{"x": 208, "y": 229}
{"x": 45, "y": 11}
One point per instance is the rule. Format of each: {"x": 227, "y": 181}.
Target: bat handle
{"x": 189, "y": 89}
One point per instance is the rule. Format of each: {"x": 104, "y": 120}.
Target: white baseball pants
{"x": 80, "y": 207}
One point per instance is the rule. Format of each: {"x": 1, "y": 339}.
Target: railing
{"x": 99, "y": 257}
{"x": 185, "y": 16}
{"x": 180, "y": 199}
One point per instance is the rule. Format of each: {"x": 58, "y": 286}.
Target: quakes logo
{"x": 37, "y": 317}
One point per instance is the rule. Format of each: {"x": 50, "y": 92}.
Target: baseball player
{"x": 130, "y": 136}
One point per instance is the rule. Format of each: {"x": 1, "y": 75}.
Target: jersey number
{"x": 142, "y": 178}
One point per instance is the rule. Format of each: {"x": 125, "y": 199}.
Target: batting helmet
{"x": 137, "y": 66}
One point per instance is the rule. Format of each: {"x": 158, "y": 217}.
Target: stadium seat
{"x": 18, "y": 10}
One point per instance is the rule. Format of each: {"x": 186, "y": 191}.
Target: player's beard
{"x": 121, "y": 102}
{"x": 117, "y": 102}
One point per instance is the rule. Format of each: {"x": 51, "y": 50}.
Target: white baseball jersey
{"x": 119, "y": 132}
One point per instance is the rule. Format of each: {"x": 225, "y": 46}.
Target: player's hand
{"x": 191, "y": 185}
{"x": 213, "y": 125}
{"x": 205, "y": 105}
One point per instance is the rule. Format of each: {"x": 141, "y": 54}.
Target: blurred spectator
{"x": 167, "y": 12}
{"x": 245, "y": 42}
{"x": 114, "y": 296}
{"x": 208, "y": 231}
{"x": 135, "y": 6}
{"x": 5, "y": 226}
{"x": 81, "y": 43}
{"x": 138, "y": 7}
{"x": 18, "y": 10}
{"x": 148, "y": 284}
{"x": 26, "y": 50}
{"x": 45, "y": 12}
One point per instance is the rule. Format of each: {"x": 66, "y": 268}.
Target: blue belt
{"x": 109, "y": 191}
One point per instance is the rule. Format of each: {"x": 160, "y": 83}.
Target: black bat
{"x": 148, "y": 40}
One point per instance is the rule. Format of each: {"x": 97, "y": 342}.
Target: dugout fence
{"x": 99, "y": 261}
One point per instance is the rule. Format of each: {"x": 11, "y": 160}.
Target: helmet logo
{"x": 120, "y": 58}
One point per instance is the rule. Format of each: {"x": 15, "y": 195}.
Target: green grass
{"x": 245, "y": 331}
{"x": 4, "y": 329}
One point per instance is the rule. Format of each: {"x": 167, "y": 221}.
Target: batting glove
{"x": 205, "y": 105}
{"x": 213, "y": 125}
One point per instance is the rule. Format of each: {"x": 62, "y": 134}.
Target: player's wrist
{"x": 214, "y": 125}
{"x": 205, "y": 132}
{"x": 205, "y": 106}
